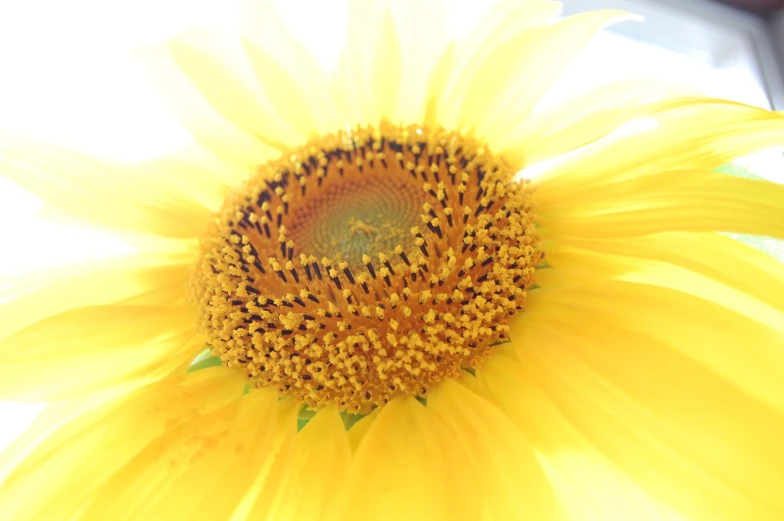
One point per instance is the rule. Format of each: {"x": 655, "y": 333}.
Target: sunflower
{"x": 348, "y": 302}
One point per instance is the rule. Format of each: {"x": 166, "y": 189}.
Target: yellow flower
{"x": 408, "y": 329}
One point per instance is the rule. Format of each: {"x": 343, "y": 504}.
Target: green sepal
{"x": 350, "y": 419}
{"x": 204, "y": 363}
{"x": 305, "y": 415}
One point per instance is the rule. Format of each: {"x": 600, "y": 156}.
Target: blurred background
{"x": 67, "y": 75}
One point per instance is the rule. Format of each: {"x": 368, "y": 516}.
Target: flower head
{"x": 349, "y": 302}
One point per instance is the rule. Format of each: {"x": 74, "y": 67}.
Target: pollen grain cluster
{"x": 367, "y": 264}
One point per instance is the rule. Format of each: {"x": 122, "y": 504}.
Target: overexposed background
{"x": 67, "y": 76}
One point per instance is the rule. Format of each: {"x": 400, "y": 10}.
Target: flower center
{"x": 367, "y": 264}
{"x": 352, "y": 216}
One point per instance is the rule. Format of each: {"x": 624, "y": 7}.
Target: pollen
{"x": 367, "y": 264}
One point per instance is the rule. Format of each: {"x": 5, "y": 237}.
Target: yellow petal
{"x": 310, "y": 473}
{"x": 427, "y": 21}
{"x": 690, "y": 325}
{"x": 141, "y": 279}
{"x": 105, "y": 193}
{"x": 400, "y": 470}
{"x": 196, "y": 54}
{"x": 587, "y": 485}
{"x": 267, "y": 484}
{"x": 386, "y": 70}
{"x": 494, "y": 25}
{"x": 509, "y": 482}
{"x": 93, "y": 443}
{"x": 572, "y": 124}
{"x": 670, "y": 201}
{"x": 86, "y": 349}
{"x": 691, "y": 133}
{"x": 284, "y": 94}
{"x": 500, "y": 29}
{"x": 235, "y": 142}
{"x": 343, "y": 94}
{"x": 435, "y": 84}
{"x": 200, "y": 469}
{"x": 686, "y": 434}
{"x": 359, "y": 429}
{"x": 512, "y": 79}
{"x": 264, "y": 28}
{"x": 717, "y": 257}
{"x": 349, "y": 78}
{"x": 368, "y": 79}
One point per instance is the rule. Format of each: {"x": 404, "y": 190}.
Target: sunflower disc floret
{"x": 367, "y": 264}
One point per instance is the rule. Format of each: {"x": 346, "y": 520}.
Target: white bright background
{"x": 67, "y": 75}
